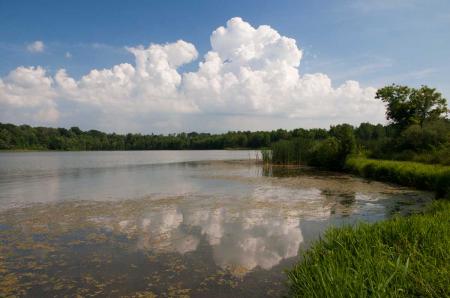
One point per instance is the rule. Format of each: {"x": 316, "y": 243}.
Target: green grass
{"x": 419, "y": 175}
{"x": 400, "y": 257}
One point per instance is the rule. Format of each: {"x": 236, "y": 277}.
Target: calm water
{"x": 169, "y": 223}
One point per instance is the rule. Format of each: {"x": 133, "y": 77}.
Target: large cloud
{"x": 28, "y": 93}
{"x": 152, "y": 85}
{"x": 249, "y": 72}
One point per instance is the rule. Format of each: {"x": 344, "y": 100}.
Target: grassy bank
{"x": 400, "y": 257}
{"x": 422, "y": 176}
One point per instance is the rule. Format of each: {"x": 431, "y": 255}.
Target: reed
{"x": 266, "y": 155}
{"x": 400, "y": 257}
{"x": 289, "y": 152}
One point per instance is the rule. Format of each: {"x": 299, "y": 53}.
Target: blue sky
{"x": 372, "y": 42}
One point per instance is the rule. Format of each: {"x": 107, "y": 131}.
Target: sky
{"x": 215, "y": 66}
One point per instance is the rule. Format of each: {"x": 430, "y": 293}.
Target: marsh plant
{"x": 400, "y": 257}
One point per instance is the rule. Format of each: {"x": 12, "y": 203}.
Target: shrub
{"x": 326, "y": 154}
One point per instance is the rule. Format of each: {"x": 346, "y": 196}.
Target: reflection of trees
{"x": 298, "y": 171}
{"x": 267, "y": 170}
{"x": 281, "y": 171}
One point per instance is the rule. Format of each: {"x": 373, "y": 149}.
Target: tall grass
{"x": 422, "y": 176}
{"x": 286, "y": 152}
{"x": 266, "y": 155}
{"x": 290, "y": 152}
{"x": 400, "y": 257}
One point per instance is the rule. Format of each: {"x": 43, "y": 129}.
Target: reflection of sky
{"x": 248, "y": 220}
{"x": 56, "y": 176}
{"x": 246, "y": 238}
{"x": 259, "y": 230}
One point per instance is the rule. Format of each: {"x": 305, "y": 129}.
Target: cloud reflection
{"x": 243, "y": 239}
{"x": 258, "y": 231}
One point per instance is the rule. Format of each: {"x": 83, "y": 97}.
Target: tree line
{"x": 25, "y": 137}
{"x": 380, "y": 141}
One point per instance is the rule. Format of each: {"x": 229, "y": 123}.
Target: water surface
{"x": 170, "y": 223}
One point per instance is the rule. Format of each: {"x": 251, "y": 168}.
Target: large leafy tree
{"x": 405, "y": 105}
{"x": 428, "y": 104}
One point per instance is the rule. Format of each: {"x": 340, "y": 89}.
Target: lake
{"x": 170, "y": 223}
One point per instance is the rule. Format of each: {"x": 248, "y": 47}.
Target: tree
{"x": 346, "y": 140}
{"x": 405, "y": 105}
{"x": 346, "y": 137}
{"x": 428, "y": 104}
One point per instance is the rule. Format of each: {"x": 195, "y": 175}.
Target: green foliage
{"x": 426, "y": 137}
{"x": 398, "y": 106}
{"x": 295, "y": 151}
{"x": 406, "y": 106}
{"x": 423, "y": 176}
{"x": 400, "y": 257}
{"x": 429, "y": 143}
{"x": 326, "y": 149}
{"x": 346, "y": 142}
{"x": 325, "y": 154}
{"x": 24, "y": 137}
{"x": 284, "y": 152}
{"x": 428, "y": 104}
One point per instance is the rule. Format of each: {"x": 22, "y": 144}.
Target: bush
{"x": 326, "y": 154}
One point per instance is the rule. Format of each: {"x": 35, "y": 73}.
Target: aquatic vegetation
{"x": 422, "y": 176}
{"x": 288, "y": 152}
{"x": 400, "y": 257}
{"x": 266, "y": 155}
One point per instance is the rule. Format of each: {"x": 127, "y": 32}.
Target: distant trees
{"x": 44, "y": 138}
{"x": 406, "y": 106}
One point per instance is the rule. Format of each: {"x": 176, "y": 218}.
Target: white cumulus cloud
{"x": 28, "y": 94}
{"x": 251, "y": 73}
{"x": 36, "y": 47}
